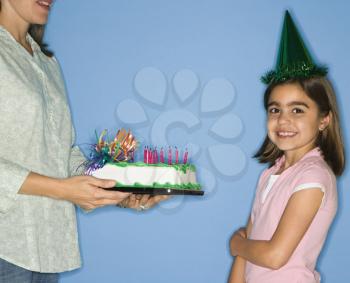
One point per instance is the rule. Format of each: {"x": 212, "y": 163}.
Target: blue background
{"x": 103, "y": 45}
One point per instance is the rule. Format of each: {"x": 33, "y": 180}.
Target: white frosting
{"x": 145, "y": 175}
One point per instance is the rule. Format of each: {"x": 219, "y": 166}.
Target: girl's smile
{"x": 285, "y": 134}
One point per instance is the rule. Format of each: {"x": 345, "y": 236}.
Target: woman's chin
{"x": 40, "y": 21}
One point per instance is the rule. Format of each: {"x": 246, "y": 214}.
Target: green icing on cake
{"x": 188, "y": 186}
{"x": 179, "y": 167}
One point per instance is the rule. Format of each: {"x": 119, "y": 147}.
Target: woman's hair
{"x": 37, "y": 33}
{"x": 330, "y": 141}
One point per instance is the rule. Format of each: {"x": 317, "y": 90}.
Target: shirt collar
{"x": 6, "y": 34}
{"x": 35, "y": 46}
{"x": 314, "y": 152}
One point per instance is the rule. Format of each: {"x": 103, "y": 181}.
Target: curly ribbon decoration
{"x": 122, "y": 148}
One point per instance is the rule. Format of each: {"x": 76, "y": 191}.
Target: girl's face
{"x": 293, "y": 119}
{"x": 27, "y": 11}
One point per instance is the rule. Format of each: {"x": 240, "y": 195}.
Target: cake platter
{"x": 157, "y": 191}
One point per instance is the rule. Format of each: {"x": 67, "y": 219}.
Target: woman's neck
{"x": 16, "y": 26}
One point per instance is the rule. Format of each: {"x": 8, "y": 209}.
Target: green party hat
{"x": 294, "y": 60}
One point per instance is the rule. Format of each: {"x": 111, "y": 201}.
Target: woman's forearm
{"x": 39, "y": 185}
{"x": 85, "y": 191}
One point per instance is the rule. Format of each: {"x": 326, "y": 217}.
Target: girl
{"x": 38, "y": 234}
{"x": 296, "y": 198}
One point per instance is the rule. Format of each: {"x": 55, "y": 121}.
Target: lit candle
{"x": 161, "y": 155}
{"x": 185, "y": 157}
{"x": 169, "y": 156}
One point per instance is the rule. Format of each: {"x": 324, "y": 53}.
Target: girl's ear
{"x": 325, "y": 121}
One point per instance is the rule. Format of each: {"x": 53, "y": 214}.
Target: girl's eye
{"x": 273, "y": 110}
{"x": 297, "y": 110}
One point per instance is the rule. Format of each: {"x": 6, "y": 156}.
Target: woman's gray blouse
{"x": 36, "y": 135}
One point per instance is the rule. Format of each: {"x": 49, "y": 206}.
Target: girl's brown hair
{"x": 330, "y": 141}
{"x": 37, "y": 33}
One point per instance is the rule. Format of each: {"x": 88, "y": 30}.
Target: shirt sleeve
{"x": 316, "y": 176}
{"x": 76, "y": 161}
{"x": 12, "y": 177}
{"x": 77, "y": 158}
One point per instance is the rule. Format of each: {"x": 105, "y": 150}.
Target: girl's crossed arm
{"x": 296, "y": 219}
{"x": 238, "y": 266}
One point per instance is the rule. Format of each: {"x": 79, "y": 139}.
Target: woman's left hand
{"x": 142, "y": 202}
{"x": 237, "y": 237}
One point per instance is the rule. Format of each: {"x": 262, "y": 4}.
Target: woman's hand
{"x": 86, "y": 191}
{"x": 237, "y": 237}
{"x": 142, "y": 202}
{"x": 89, "y": 192}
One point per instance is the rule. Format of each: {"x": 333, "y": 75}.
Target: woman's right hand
{"x": 89, "y": 192}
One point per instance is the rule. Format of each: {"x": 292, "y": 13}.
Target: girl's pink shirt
{"x": 310, "y": 172}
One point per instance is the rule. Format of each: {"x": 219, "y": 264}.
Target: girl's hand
{"x": 243, "y": 232}
{"x": 142, "y": 202}
{"x": 89, "y": 192}
{"x": 236, "y": 239}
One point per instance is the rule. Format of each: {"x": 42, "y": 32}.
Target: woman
{"x": 38, "y": 234}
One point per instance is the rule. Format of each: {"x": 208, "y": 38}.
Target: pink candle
{"x": 145, "y": 155}
{"x": 169, "y": 156}
{"x": 161, "y": 155}
{"x": 155, "y": 156}
{"x": 149, "y": 154}
{"x": 176, "y": 155}
{"x": 185, "y": 157}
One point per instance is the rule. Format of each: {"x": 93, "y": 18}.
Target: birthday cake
{"x": 159, "y": 175}
{"x": 115, "y": 160}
